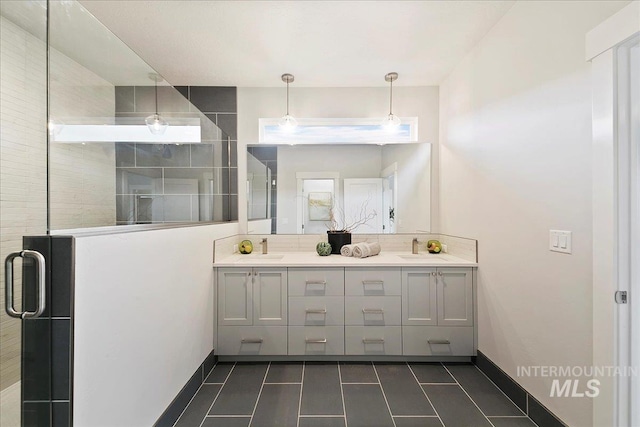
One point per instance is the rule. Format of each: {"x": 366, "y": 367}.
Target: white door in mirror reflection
{"x": 363, "y": 201}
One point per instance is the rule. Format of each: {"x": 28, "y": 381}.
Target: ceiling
{"x": 323, "y": 43}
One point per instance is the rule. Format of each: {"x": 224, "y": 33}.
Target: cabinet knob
{"x": 433, "y": 274}
{"x": 439, "y": 273}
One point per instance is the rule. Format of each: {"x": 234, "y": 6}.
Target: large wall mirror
{"x": 301, "y": 189}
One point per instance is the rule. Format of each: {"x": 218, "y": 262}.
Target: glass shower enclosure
{"x": 76, "y": 155}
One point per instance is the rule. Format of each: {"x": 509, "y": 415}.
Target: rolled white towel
{"x": 347, "y": 250}
{"x": 359, "y": 250}
{"x": 364, "y": 250}
{"x": 374, "y": 248}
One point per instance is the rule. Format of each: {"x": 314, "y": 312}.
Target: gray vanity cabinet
{"x": 235, "y": 296}
{"x": 252, "y": 311}
{"x": 419, "y": 302}
{"x": 437, "y": 311}
{"x": 346, "y": 311}
{"x": 455, "y": 296}
{"x": 373, "y": 307}
{"x": 316, "y": 311}
{"x": 252, "y": 296}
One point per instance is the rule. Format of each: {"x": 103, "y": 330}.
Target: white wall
{"x": 361, "y": 102}
{"x": 413, "y": 209}
{"x": 515, "y": 161}
{"x": 144, "y": 321}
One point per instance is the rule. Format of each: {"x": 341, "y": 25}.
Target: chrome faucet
{"x": 264, "y": 246}
{"x": 414, "y": 246}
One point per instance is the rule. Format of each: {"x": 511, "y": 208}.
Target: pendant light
{"x": 287, "y": 122}
{"x": 391, "y": 121}
{"x": 156, "y": 124}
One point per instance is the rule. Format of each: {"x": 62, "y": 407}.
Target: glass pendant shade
{"x": 391, "y": 121}
{"x": 156, "y": 124}
{"x": 288, "y": 122}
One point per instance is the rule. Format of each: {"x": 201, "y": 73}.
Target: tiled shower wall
{"x": 178, "y": 182}
{"x": 23, "y": 174}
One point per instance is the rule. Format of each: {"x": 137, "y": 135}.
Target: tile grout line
{"x": 344, "y": 406}
{"x": 383, "y": 394}
{"x": 425, "y": 393}
{"x": 217, "y": 394}
{"x": 259, "y": 393}
{"x": 470, "y": 398}
{"x": 300, "y": 399}
{"x": 505, "y": 394}
{"x": 193, "y": 397}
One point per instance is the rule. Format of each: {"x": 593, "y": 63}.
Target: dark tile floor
{"x": 314, "y": 394}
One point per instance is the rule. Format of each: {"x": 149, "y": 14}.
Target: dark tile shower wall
{"x": 47, "y": 352}
{"x": 178, "y": 182}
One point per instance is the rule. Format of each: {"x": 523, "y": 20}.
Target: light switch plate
{"x": 560, "y": 241}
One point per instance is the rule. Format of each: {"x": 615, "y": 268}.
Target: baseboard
{"x": 176, "y": 407}
{"x": 535, "y": 410}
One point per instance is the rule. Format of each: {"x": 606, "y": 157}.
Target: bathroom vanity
{"x": 298, "y": 305}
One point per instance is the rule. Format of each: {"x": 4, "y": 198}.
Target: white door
{"x": 363, "y": 204}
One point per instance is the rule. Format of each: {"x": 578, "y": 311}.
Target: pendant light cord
{"x": 287, "y": 97}
{"x": 390, "y": 97}
{"x": 156, "y": 90}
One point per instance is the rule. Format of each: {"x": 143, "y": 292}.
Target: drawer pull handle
{"x": 373, "y": 282}
{"x": 316, "y": 282}
{"x": 373, "y": 340}
{"x": 251, "y": 341}
{"x": 373, "y": 311}
{"x": 316, "y": 340}
{"x": 439, "y": 341}
{"x": 316, "y": 311}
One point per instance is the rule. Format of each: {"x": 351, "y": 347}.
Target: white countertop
{"x": 312, "y": 259}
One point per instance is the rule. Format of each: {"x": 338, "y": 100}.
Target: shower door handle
{"x": 40, "y": 279}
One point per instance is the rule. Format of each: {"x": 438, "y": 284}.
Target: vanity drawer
{"x": 252, "y": 340}
{"x": 368, "y": 281}
{"x": 316, "y": 340}
{"x": 375, "y": 340}
{"x": 316, "y": 281}
{"x": 437, "y": 341}
{"x": 316, "y": 311}
{"x": 373, "y": 311}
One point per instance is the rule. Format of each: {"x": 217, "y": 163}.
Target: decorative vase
{"x": 338, "y": 239}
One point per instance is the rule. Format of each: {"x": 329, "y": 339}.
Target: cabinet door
{"x": 419, "y": 296}
{"x": 455, "y": 297}
{"x": 234, "y": 296}
{"x": 270, "y": 296}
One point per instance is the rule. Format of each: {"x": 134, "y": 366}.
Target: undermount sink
{"x": 422, "y": 257}
{"x": 260, "y": 257}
